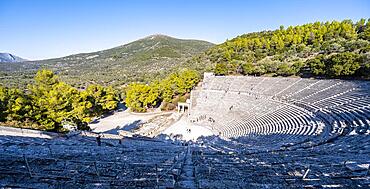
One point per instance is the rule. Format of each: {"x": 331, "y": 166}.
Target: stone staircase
{"x": 187, "y": 176}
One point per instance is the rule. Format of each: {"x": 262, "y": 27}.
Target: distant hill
{"x": 337, "y": 49}
{"x": 7, "y": 57}
{"x": 142, "y": 60}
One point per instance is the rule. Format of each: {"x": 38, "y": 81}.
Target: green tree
{"x": 221, "y": 69}
{"x": 186, "y": 80}
{"x": 248, "y": 68}
{"x": 51, "y": 103}
{"x": 18, "y": 105}
{"x": 52, "y": 100}
{"x": 55, "y": 102}
{"x": 104, "y": 98}
{"x": 285, "y": 69}
{"x": 169, "y": 87}
{"x": 139, "y": 96}
{"x": 83, "y": 108}
{"x": 109, "y": 101}
{"x": 317, "y": 65}
{"x": 259, "y": 69}
{"x": 366, "y": 33}
{"x": 3, "y": 103}
{"x": 343, "y": 64}
{"x": 297, "y": 66}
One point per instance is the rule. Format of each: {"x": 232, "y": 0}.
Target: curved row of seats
{"x": 286, "y": 120}
{"x": 239, "y": 106}
{"x": 278, "y": 147}
{"x": 257, "y": 162}
{"x": 79, "y": 162}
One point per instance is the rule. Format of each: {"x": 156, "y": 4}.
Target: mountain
{"x": 7, "y": 57}
{"x": 142, "y": 60}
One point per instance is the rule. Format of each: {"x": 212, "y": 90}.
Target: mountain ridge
{"x": 150, "y": 37}
{"x": 8, "y": 57}
{"x": 145, "y": 59}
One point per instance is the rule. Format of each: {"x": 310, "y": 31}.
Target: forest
{"x": 49, "y": 103}
{"x": 331, "y": 49}
{"x": 167, "y": 92}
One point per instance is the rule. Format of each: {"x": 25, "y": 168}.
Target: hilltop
{"x": 143, "y": 60}
{"x": 337, "y": 49}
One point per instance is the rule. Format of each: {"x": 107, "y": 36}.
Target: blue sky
{"x": 39, "y": 29}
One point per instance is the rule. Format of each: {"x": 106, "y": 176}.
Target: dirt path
{"x": 120, "y": 120}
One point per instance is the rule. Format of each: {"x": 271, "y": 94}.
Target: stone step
{"x": 187, "y": 179}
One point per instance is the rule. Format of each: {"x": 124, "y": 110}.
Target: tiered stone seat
{"x": 273, "y": 162}
{"x": 266, "y": 105}
{"x": 283, "y": 120}
{"x": 79, "y": 162}
{"x": 335, "y": 89}
{"x": 279, "y": 86}
{"x": 297, "y": 87}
